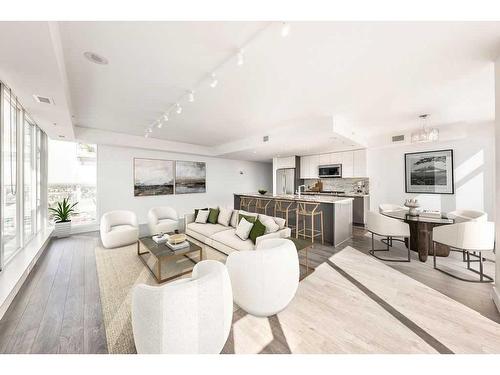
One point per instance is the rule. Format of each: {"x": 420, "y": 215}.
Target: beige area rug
{"x": 119, "y": 270}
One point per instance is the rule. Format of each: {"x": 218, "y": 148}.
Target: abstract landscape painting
{"x": 429, "y": 172}
{"x": 190, "y": 177}
{"x": 153, "y": 177}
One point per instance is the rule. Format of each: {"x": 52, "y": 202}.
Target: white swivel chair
{"x": 383, "y": 226}
{"x": 119, "y": 228}
{"x": 162, "y": 220}
{"x": 383, "y": 207}
{"x": 468, "y": 215}
{"x": 186, "y": 316}
{"x": 469, "y": 236}
{"x": 266, "y": 279}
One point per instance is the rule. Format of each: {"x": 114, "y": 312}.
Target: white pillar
{"x": 496, "y": 288}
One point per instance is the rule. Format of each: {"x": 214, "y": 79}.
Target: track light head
{"x": 179, "y": 109}
{"x": 146, "y": 135}
{"x": 165, "y": 117}
{"x": 191, "y": 96}
{"x": 159, "y": 125}
{"x": 285, "y": 29}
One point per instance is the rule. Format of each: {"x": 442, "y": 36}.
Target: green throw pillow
{"x": 250, "y": 219}
{"x": 198, "y": 209}
{"x": 213, "y": 215}
{"x": 258, "y": 230}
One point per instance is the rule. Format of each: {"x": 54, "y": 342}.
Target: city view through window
{"x": 73, "y": 174}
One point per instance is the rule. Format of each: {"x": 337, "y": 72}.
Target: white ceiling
{"x": 370, "y": 77}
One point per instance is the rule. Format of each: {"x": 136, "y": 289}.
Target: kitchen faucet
{"x": 298, "y": 191}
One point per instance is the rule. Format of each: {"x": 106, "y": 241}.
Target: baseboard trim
{"x": 495, "y": 294}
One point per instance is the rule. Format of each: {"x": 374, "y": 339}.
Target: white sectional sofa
{"x": 224, "y": 239}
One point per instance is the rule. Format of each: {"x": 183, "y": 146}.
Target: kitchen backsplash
{"x": 339, "y": 184}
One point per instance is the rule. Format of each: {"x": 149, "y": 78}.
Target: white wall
{"x": 474, "y": 172}
{"x": 115, "y": 181}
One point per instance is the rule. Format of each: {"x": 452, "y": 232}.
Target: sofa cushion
{"x": 213, "y": 215}
{"x": 243, "y": 229}
{"x": 196, "y": 211}
{"x": 250, "y": 219}
{"x": 269, "y": 223}
{"x": 121, "y": 228}
{"x": 224, "y": 216}
{"x": 258, "y": 230}
{"x": 234, "y": 218}
{"x": 280, "y": 221}
{"x": 230, "y": 239}
{"x": 206, "y": 229}
{"x": 202, "y": 216}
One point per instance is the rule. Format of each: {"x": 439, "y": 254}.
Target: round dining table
{"x": 421, "y": 232}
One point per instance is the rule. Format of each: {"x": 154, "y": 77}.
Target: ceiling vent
{"x": 265, "y": 138}
{"x": 398, "y": 138}
{"x": 43, "y": 99}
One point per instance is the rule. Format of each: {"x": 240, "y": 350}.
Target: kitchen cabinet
{"x": 347, "y": 164}
{"x": 309, "y": 166}
{"x": 353, "y": 163}
{"x": 287, "y": 162}
{"x": 359, "y": 157}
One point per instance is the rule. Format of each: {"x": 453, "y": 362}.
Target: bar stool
{"x": 305, "y": 210}
{"x": 284, "y": 210}
{"x": 261, "y": 205}
{"x": 246, "y": 203}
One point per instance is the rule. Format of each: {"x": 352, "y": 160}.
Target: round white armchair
{"x": 187, "y": 316}
{"x": 162, "y": 220}
{"x": 119, "y": 228}
{"x": 266, "y": 279}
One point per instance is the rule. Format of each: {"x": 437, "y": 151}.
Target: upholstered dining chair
{"x": 264, "y": 281}
{"x": 468, "y": 215}
{"x": 383, "y": 207}
{"x": 119, "y": 228}
{"x": 470, "y": 236}
{"x": 383, "y": 226}
{"x": 162, "y": 220}
{"x": 186, "y": 316}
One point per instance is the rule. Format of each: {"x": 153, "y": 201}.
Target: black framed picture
{"x": 429, "y": 172}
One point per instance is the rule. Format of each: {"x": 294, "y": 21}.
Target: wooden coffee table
{"x": 162, "y": 253}
{"x": 303, "y": 245}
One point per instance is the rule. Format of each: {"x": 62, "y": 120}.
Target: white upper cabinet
{"x": 288, "y": 162}
{"x": 360, "y": 163}
{"x": 347, "y": 164}
{"x": 324, "y": 159}
{"x": 353, "y": 163}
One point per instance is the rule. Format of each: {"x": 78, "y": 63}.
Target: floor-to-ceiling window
{"x": 73, "y": 175}
{"x": 22, "y": 159}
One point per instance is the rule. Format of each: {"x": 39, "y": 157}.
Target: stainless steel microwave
{"x": 329, "y": 171}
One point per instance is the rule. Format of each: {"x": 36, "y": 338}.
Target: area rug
{"x": 119, "y": 270}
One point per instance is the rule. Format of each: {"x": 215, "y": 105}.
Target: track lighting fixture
{"x": 159, "y": 124}
{"x": 285, "y": 29}
{"x": 214, "y": 82}
{"x": 149, "y": 130}
{"x": 179, "y": 109}
{"x": 165, "y": 117}
{"x": 191, "y": 96}
{"x": 241, "y": 58}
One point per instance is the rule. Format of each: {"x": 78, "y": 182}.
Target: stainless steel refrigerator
{"x": 285, "y": 181}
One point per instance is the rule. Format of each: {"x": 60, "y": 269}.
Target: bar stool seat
{"x": 286, "y": 210}
{"x": 309, "y": 210}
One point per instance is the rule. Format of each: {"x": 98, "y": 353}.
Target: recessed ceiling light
{"x": 241, "y": 58}
{"x": 95, "y": 58}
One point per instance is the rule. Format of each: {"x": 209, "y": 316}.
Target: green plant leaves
{"x": 63, "y": 210}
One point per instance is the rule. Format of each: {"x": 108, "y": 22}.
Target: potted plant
{"x": 61, "y": 214}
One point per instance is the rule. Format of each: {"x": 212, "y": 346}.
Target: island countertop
{"x": 295, "y": 198}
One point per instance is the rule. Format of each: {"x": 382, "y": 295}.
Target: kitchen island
{"x": 337, "y": 213}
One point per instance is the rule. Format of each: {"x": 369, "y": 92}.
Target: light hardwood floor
{"x": 58, "y": 309}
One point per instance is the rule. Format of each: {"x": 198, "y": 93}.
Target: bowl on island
{"x": 262, "y": 191}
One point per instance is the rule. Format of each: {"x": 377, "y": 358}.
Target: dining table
{"x": 421, "y": 232}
